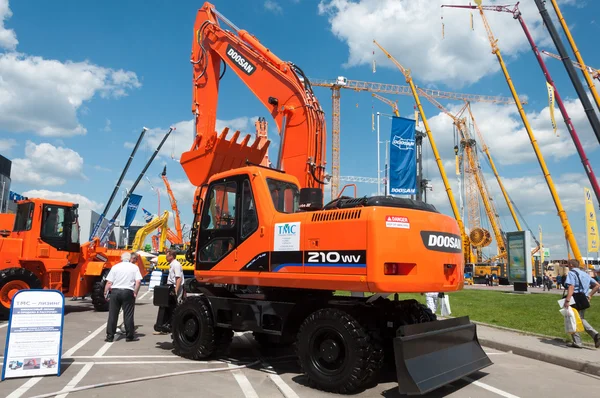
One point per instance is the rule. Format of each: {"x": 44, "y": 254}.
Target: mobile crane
{"x": 265, "y": 232}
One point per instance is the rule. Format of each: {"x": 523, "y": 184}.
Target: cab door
{"x": 228, "y": 218}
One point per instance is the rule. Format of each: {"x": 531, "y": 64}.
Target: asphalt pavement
{"x": 88, "y": 360}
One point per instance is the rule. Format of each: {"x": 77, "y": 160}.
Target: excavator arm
{"x": 142, "y": 233}
{"x": 281, "y": 87}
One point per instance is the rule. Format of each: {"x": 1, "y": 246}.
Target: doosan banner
{"x": 403, "y": 160}
{"x": 132, "y": 206}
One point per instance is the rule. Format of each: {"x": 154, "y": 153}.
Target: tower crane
{"x": 468, "y": 254}
{"x": 595, "y": 73}
{"x": 478, "y": 236}
{"x": 593, "y": 118}
{"x": 393, "y": 104}
{"x": 384, "y": 88}
{"x": 560, "y": 210}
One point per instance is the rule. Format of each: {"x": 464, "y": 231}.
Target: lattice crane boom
{"x": 478, "y": 236}
{"x": 593, "y": 71}
{"x": 393, "y": 104}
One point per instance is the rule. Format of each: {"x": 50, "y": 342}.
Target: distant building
{"x": 5, "y": 166}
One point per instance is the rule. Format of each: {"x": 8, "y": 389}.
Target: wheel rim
{"x": 189, "y": 330}
{"x": 328, "y": 351}
{"x": 8, "y": 291}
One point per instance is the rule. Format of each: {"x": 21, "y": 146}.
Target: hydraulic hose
{"x": 146, "y": 378}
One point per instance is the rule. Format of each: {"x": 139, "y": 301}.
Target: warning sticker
{"x": 397, "y": 222}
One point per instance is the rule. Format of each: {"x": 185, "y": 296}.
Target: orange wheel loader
{"x": 269, "y": 255}
{"x": 43, "y": 251}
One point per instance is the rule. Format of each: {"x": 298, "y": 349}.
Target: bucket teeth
{"x": 220, "y": 154}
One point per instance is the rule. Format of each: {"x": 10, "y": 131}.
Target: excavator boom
{"x": 281, "y": 87}
{"x": 174, "y": 239}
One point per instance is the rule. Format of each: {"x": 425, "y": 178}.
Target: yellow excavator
{"x": 158, "y": 222}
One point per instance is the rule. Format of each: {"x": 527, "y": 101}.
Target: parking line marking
{"x": 282, "y": 386}
{"x": 244, "y": 383}
{"x": 24, "y": 388}
{"x": 490, "y": 388}
{"x": 84, "y": 341}
{"x": 144, "y": 295}
{"x": 76, "y": 379}
{"x": 103, "y": 349}
{"x": 145, "y": 362}
{"x": 127, "y": 356}
{"x": 4, "y": 325}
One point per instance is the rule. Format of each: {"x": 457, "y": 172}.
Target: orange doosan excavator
{"x": 269, "y": 255}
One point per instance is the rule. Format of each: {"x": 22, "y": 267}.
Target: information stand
{"x": 34, "y": 337}
{"x": 519, "y": 259}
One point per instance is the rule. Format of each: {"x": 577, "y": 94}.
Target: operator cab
{"x": 59, "y": 224}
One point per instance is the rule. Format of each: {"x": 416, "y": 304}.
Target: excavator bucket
{"x": 218, "y": 154}
{"x": 432, "y": 354}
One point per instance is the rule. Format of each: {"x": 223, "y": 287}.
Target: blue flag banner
{"x": 132, "y": 206}
{"x": 403, "y": 159}
{"x": 147, "y": 215}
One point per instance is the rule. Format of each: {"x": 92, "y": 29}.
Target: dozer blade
{"x": 217, "y": 154}
{"x": 432, "y": 354}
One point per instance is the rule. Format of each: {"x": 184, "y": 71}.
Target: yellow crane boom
{"x": 384, "y": 88}
{"x": 587, "y": 76}
{"x": 486, "y": 150}
{"x": 438, "y": 160}
{"x": 561, "y": 211}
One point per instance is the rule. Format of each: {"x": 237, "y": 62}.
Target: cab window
{"x": 24, "y": 217}
{"x": 221, "y": 210}
{"x": 53, "y": 222}
{"x": 249, "y": 216}
{"x": 285, "y": 196}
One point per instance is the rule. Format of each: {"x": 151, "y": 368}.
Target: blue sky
{"x": 79, "y": 81}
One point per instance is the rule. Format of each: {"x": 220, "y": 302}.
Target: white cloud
{"x": 412, "y": 32}
{"x": 46, "y": 165}
{"x": 8, "y": 37}
{"x": 183, "y": 191}
{"x": 6, "y": 145}
{"x": 84, "y": 203}
{"x": 107, "y": 126}
{"x": 101, "y": 168}
{"x": 504, "y": 134}
{"x": 273, "y": 6}
{"x": 47, "y": 104}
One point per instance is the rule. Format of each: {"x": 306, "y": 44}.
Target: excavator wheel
{"x": 11, "y": 281}
{"x": 98, "y": 300}
{"x": 336, "y": 352}
{"x": 194, "y": 333}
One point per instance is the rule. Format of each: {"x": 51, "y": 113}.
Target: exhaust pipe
{"x": 432, "y": 354}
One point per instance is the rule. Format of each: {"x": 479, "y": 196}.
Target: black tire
{"x": 10, "y": 276}
{"x": 375, "y": 361}
{"x": 346, "y": 346}
{"x": 193, "y": 329}
{"x": 98, "y": 300}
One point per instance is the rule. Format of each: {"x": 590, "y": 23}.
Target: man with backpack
{"x": 577, "y": 283}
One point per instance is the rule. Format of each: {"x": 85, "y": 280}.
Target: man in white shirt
{"x": 123, "y": 282}
{"x": 175, "y": 281}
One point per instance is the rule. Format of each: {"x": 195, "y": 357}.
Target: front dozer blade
{"x": 217, "y": 154}
{"x": 432, "y": 354}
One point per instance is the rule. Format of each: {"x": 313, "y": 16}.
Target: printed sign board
{"x": 519, "y": 256}
{"x": 34, "y": 337}
{"x": 287, "y": 237}
{"x": 403, "y": 164}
